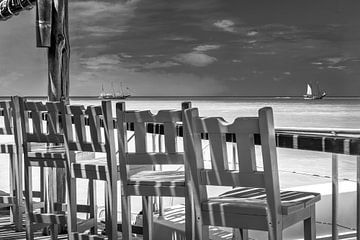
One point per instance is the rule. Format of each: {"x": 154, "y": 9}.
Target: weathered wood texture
{"x": 59, "y": 53}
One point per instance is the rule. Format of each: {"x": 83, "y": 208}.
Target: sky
{"x": 194, "y": 48}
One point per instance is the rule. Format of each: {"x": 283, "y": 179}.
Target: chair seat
{"x": 46, "y": 151}
{"x": 158, "y": 178}
{"x": 253, "y": 201}
{"x": 95, "y": 168}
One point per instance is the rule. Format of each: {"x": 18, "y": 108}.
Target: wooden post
{"x": 59, "y": 53}
{"x": 58, "y": 71}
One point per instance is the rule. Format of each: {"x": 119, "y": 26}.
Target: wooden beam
{"x": 59, "y": 53}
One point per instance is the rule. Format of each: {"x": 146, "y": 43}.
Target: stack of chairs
{"x": 10, "y": 143}
{"x": 54, "y": 133}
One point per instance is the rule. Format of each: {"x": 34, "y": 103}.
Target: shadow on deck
{"x": 7, "y": 231}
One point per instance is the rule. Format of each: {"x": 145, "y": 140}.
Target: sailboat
{"x": 122, "y": 94}
{"x": 314, "y": 93}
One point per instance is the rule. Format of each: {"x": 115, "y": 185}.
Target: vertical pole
{"x": 59, "y": 53}
{"x": 335, "y": 193}
{"x": 58, "y": 71}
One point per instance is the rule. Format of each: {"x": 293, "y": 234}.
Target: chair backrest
{"x": 89, "y": 129}
{"x": 41, "y": 122}
{"x": 6, "y": 118}
{"x": 247, "y": 174}
{"x": 165, "y": 122}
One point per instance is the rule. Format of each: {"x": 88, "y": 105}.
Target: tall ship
{"x": 313, "y": 92}
{"x": 120, "y": 94}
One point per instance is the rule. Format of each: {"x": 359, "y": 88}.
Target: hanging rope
{"x": 9, "y": 8}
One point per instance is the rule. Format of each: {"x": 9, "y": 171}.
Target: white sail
{"x": 308, "y": 90}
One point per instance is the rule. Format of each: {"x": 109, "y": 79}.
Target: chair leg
{"x": 240, "y": 234}
{"x": 111, "y": 210}
{"x": 16, "y": 191}
{"x": 28, "y": 201}
{"x": 147, "y": 217}
{"x": 189, "y": 219}
{"x": 92, "y": 204}
{"x": 310, "y": 225}
{"x": 200, "y": 231}
{"x": 126, "y": 217}
{"x": 71, "y": 210}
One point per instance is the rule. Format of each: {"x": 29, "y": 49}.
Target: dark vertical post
{"x": 59, "y": 53}
{"x": 58, "y": 71}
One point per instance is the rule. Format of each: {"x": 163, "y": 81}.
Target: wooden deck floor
{"x": 7, "y": 231}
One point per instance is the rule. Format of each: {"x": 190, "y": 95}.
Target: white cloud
{"x": 196, "y": 59}
{"x": 100, "y": 9}
{"x": 158, "y": 64}
{"x": 207, "y": 47}
{"x": 103, "y": 62}
{"x": 226, "y": 25}
{"x": 252, "y": 33}
{"x": 104, "y": 31}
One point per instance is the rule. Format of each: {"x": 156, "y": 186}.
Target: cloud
{"x": 103, "y": 62}
{"x": 158, "y": 64}
{"x": 104, "y": 31}
{"x": 226, "y": 25}
{"x": 196, "y": 59}
{"x": 203, "y": 48}
{"x": 252, "y": 33}
{"x": 101, "y": 9}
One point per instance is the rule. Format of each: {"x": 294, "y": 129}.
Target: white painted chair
{"x": 256, "y": 202}
{"x": 10, "y": 143}
{"x": 91, "y": 130}
{"x": 43, "y": 148}
{"x": 150, "y": 183}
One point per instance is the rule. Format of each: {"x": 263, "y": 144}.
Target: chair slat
{"x": 232, "y": 178}
{"x": 94, "y": 124}
{"x": 140, "y": 137}
{"x": 218, "y": 153}
{"x": 78, "y": 116}
{"x": 44, "y": 137}
{"x": 170, "y": 137}
{"x": 246, "y": 152}
{"x": 154, "y": 158}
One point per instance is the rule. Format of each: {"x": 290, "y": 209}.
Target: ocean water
{"x": 288, "y": 112}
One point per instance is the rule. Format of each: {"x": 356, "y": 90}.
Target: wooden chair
{"x": 43, "y": 148}
{"x": 257, "y": 202}
{"x": 149, "y": 183}
{"x": 91, "y": 130}
{"x": 10, "y": 143}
